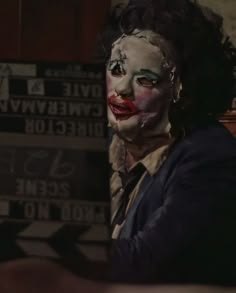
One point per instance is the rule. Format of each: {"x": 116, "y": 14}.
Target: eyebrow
{"x": 119, "y": 56}
{"x": 149, "y": 73}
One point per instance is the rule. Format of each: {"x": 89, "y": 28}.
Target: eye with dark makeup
{"x": 116, "y": 68}
{"x": 146, "y": 82}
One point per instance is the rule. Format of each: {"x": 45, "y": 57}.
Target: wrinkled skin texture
{"x": 139, "y": 87}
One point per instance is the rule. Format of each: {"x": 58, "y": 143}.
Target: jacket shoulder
{"x": 210, "y": 149}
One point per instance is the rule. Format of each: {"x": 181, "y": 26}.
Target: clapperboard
{"x": 54, "y": 191}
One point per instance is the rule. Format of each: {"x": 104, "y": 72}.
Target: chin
{"x": 127, "y": 129}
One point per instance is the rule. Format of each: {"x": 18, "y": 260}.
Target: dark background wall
{"x": 50, "y": 29}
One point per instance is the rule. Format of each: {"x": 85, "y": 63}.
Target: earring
{"x": 175, "y": 99}
{"x": 178, "y": 91}
{"x": 176, "y": 85}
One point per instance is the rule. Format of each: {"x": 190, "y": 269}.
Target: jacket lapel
{"x": 126, "y": 231}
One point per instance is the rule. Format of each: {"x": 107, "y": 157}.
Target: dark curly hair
{"x": 206, "y": 58}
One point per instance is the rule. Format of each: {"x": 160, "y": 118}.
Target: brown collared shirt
{"x": 121, "y": 201}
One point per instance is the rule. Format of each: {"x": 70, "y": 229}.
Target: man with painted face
{"x": 138, "y": 108}
{"x": 139, "y": 92}
{"x": 169, "y": 76}
{"x": 173, "y": 184}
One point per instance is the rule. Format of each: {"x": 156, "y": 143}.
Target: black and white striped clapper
{"x": 54, "y": 170}
{"x": 53, "y": 240}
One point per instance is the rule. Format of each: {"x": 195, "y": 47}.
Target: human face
{"x": 138, "y": 86}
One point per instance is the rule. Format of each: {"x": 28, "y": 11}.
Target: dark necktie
{"x": 130, "y": 182}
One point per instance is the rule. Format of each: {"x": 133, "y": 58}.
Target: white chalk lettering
{"x": 97, "y": 91}
{"x": 75, "y": 71}
{"x": 41, "y": 106}
{"x": 66, "y": 89}
{"x": 40, "y": 127}
{"x": 82, "y": 90}
{"x": 17, "y": 69}
{"x": 61, "y": 128}
{"x": 65, "y": 128}
{"x": 100, "y": 215}
{"x": 82, "y": 129}
{"x": 29, "y": 210}
{"x": 85, "y": 110}
{"x": 98, "y": 110}
{"x": 61, "y": 169}
{"x": 5, "y": 69}
{"x": 52, "y": 108}
{"x": 62, "y": 108}
{"x": 74, "y": 109}
{"x": 42, "y": 188}
{"x": 15, "y": 105}
{"x": 31, "y": 165}
{"x": 82, "y": 214}
{"x": 29, "y": 126}
{"x": 3, "y": 106}
{"x": 27, "y": 107}
{"x": 7, "y": 161}
{"x": 40, "y": 210}
{"x": 85, "y": 89}
{"x": 58, "y": 169}
{"x": 43, "y": 211}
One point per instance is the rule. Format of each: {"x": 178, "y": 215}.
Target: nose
{"x": 124, "y": 88}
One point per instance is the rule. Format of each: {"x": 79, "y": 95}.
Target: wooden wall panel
{"x": 92, "y": 23}
{"x": 50, "y": 29}
{"x": 61, "y": 29}
{"x": 9, "y": 29}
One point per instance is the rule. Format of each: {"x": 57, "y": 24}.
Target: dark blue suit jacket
{"x": 182, "y": 226}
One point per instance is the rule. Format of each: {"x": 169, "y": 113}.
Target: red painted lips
{"x": 122, "y": 109}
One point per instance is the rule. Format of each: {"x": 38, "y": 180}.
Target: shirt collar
{"x": 152, "y": 162}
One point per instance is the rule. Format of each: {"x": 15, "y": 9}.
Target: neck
{"x": 137, "y": 151}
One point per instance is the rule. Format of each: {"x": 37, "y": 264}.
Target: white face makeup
{"x": 139, "y": 87}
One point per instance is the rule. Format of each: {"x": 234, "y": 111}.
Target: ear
{"x": 176, "y": 85}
